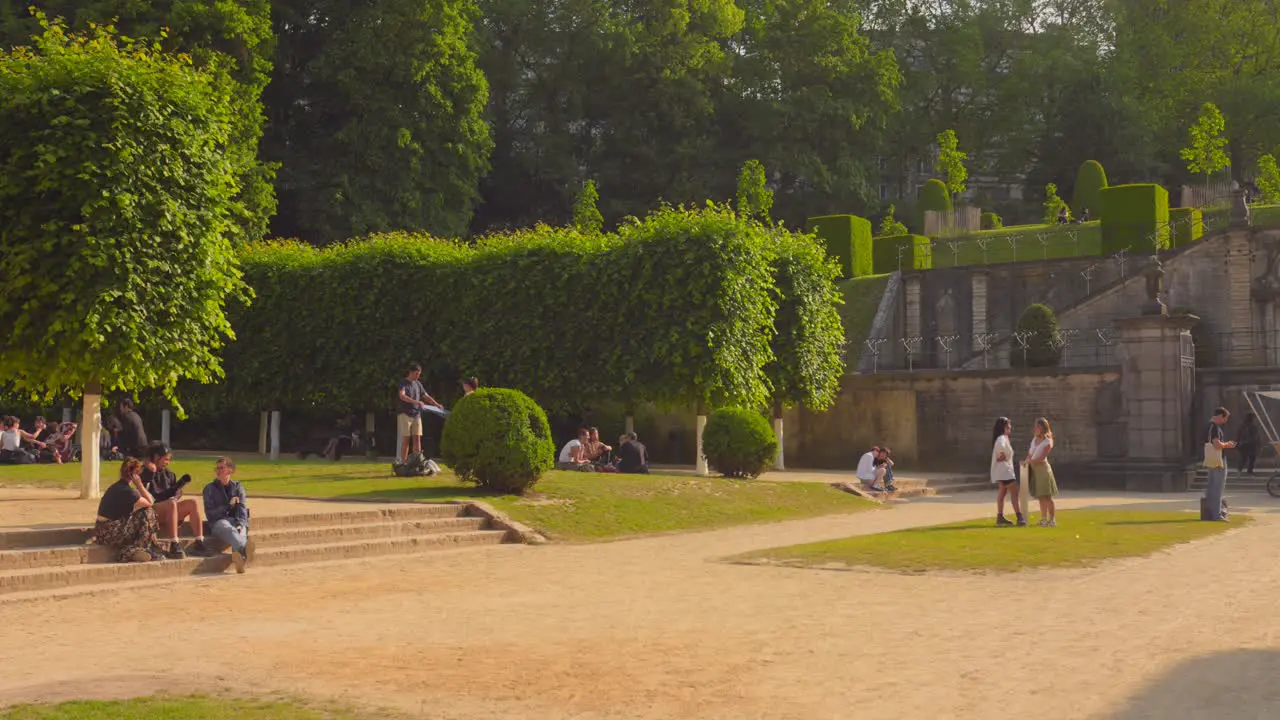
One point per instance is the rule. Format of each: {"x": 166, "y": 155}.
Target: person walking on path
{"x": 1044, "y": 487}
{"x": 225, "y": 504}
{"x": 1249, "y": 441}
{"x": 1216, "y": 463}
{"x": 1003, "y": 473}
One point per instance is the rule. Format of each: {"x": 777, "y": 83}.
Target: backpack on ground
{"x": 416, "y": 465}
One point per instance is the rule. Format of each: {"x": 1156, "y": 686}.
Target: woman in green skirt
{"x": 1041, "y": 483}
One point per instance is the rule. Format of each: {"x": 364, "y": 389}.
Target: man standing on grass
{"x": 1216, "y": 463}
{"x": 413, "y": 401}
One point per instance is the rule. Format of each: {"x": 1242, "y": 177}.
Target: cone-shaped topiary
{"x": 1038, "y": 328}
{"x": 738, "y": 443}
{"x": 1090, "y": 180}
{"x": 498, "y": 439}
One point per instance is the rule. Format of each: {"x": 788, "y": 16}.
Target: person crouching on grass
{"x": 225, "y": 505}
{"x": 1003, "y": 473}
{"x": 126, "y": 523}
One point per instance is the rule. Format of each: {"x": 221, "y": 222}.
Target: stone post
{"x": 166, "y": 423}
{"x": 263, "y": 426}
{"x": 275, "y": 434}
{"x": 1157, "y": 375}
{"x": 979, "y": 279}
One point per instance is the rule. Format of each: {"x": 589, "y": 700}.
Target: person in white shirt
{"x": 1003, "y": 473}
{"x": 868, "y": 472}
{"x": 573, "y": 456}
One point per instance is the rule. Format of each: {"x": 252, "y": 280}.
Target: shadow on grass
{"x": 1170, "y": 521}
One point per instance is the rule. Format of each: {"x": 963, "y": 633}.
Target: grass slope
{"x": 1083, "y": 538}
{"x": 861, "y": 301}
{"x": 176, "y": 708}
{"x": 1019, "y": 243}
{"x": 565, "y": 506}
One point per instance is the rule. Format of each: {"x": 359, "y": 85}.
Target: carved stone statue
{"x": 1155, "y": 288}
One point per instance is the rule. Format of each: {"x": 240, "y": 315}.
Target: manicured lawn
{"x": 1083, "y": 538}
{"x": 566, "y": 505}
{"x": 861, "y": 301}
{"x": 184, "y": 708}
{"x": 1019, "y": 243}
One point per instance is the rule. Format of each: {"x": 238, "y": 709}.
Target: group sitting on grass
{"x": 586, "y": 453}
{"x": 46, "y": 442}
{"x": 147, "y": 500}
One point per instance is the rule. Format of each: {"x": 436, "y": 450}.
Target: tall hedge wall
{"x": 1090, "y": 180}
{"x": 1186, "y": 225}
{"x": 916, "y": 253}
{"x": 677, "y": 308}
{"x": 847, "y": 239}
{"x": 1131, "y": 215}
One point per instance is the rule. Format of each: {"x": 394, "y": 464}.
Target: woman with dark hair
{"x": 1003, "y": 474}
{"x": 1248, "y": 442}
{"x": 469, "y": 385}
{"x": 126, "y": 523}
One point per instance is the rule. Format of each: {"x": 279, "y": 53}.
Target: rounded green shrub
{"x": 1038, "y": 327}
{"x": 1090, "y": 180}
{"x": 498, "y": 439}
{"x": 738, "y": 443}
{"x": 992, "y": 221}
{"x": 934, "y": 196}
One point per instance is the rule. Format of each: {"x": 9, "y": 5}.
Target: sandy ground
{"x": 658, "y": 628}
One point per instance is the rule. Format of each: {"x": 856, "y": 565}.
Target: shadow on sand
{"x": 1222, "y": 686}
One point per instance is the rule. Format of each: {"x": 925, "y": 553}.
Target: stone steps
{"x": 1236, "y": 482}
{"x": 28, "y": 565}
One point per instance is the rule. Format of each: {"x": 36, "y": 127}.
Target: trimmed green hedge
{"x": 934, "y": 196}
{"x": 1186, "y": 224}
{"x": 738, "y": 443}
{"x": 991, "y": 221}
{"x": 847, "y": 239}
{"x": 1090, "y": 180}
{"x": 679, "y": 308}
{"x": 1131, "y": 214}
{"x": 1062, "y": 241}
{"x": 914, "y": 255}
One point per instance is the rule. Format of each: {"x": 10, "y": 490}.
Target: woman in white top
{"x": 1003, "y": 473}
{"x": 1040, "y": 481}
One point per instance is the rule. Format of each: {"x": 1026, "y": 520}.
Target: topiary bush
{"x": 934, "y": 196}
{"x": 847, "y": 239}
{"x": 1090, "y": 180}
{"x": 1042, "y": 327}
{"x": 1131, "y": 215}
{"x": 1186, "y": 224}
{"x": 498, "y": 439}
{"x": 902, "y": 252}
{"x": 738, "y": 443}
{"x": 991, "y": 221}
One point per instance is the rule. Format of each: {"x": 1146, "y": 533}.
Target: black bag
{"x": 413, "y": 466}
{"x": 1207, "y": 514}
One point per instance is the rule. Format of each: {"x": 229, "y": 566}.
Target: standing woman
{"x": 1003, "y": 473}
{"x": 1040, "y": 473}
{"x": 1248, "y": 442}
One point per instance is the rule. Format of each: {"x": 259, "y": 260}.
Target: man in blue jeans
{"x": 1217, "y": 475}
{"x": 224, "y": 505}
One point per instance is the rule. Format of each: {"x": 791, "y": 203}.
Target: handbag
{"x": 1213, "y": 456}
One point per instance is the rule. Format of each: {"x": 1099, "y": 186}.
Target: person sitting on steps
{"x": 125, "y": 521}
{"x": 884, "y": 470}
{"x": 225, "y": 504}
{"x": 169, "y": 505}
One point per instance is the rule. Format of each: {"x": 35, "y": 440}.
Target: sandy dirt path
{"x": 658, "y": 628}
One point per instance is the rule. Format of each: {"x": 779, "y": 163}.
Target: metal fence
{"x": 1065, "y": 348}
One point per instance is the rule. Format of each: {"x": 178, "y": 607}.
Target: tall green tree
{"x": 754, "y": 198}
{"x": 586, "y": 216}
{"x": 950, "y": 163}
{"x": 376, "y": 116}
{"x": 1206, "y": 142}
{"x": 118, "y": 200}
{"x": 1269, "y": 178}
{"x": 212, "y": 32}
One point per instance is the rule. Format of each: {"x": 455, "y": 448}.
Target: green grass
{"x": 861, "y": 301}
{"x": 1025, "y": 245}
{"x": 1083, "y": 538}
{"x": 565, "y": 505}
{"x": 172, "y": 708}
{"x": 1265, "y": 215}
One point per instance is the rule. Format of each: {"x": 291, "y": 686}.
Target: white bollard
{"x": 90, "y": 436}
{"x": 700, "y": 465}
{"x": 778, "y": 463}
{"x": 630, "y": 425}
{"x": 66, "y": 414}
{"x": 368, "y": 432}
{"x": 165, "y": 424}
{"x": 262, "y": 432}
{"x": 275, "y": 434}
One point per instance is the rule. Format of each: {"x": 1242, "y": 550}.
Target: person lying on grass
{"x": 170, "y": 507}
{"x": 225, "y": 504}
{"x": 125, "y": 522}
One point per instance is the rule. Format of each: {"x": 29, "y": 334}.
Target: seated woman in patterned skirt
{"x": 126, "y": 523}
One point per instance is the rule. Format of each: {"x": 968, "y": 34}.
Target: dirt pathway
{"x": 656, "y": 628}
